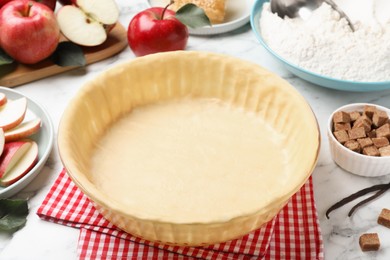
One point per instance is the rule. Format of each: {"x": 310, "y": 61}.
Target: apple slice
{"x": 3, "y": 99}
{"x": 88, "y": 22}
{"x": 12, "y": 113}
{"x": 23, "y": 130}
{"x": 79, "y": 28}
{"x": 2, "y": 140}
{"x": 17, "y": 160}
{"x": 11, "y": 154}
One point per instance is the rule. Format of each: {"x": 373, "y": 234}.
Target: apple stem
{"x": 27, "y": 12}
{"x": 166, "y": 7}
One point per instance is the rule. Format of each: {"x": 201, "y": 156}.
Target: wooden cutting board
{"x": 17, "y": 74}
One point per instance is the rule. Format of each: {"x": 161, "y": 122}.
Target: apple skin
{"x": 3, "y": 2}
{"x": 12, "y": 152}
{"x": 148, "y": 33}
{"x": 3, "y": 99}
{"x": 17, "y": 160}
{"x": 2, "y": 140}
{"x": 50, "y": 3}
{"x": 28, "y": 36}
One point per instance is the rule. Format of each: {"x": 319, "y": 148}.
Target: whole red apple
{"x": 29, "y": 31}
{"x": 156, "y": 30}
{"x": 50, "y": 3}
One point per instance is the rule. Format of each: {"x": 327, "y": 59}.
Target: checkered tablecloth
{"x": 293, "y": 234}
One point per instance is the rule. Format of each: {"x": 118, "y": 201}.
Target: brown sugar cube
{"x": 384, "y": 218}
{"x": 383, "y": 131}
{"x": 369, "y": 242}
{"x": 357, "y": 133}
{"x": 371, "y": 151}
{"x": 364, "y": 124}
{"x": 341, "y": 117}
{"x": 379, "y": 118}
{"x": 384, "y": 151}
{"x": 364, "y": 142}
{"x": 341, "y": 136}
{"x": 364, "y": 117}
{"x": 342, "y": 126}
{"x": 380, "y": 142}
{"x": 354, "y": 115}
{"x": 369, "y": 110}
{"x": 372, "y": 133}
{"x": 353, "y": 145}
{"x": 363, "y": 121}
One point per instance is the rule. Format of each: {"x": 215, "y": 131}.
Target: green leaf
{"x": 192, "y": 16}
{"x": 13, "y": 214}
{"x": 68, "y": 54}
{"x": 5, "y": 58}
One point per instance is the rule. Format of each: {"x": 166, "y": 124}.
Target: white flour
{"x": 325, "y": 44}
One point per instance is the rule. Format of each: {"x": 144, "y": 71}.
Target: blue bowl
{"x": 312, "y": 77}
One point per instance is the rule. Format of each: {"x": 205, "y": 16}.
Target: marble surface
{"x": 43, "y": 240}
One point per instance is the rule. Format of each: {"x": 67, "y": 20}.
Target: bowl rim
{"x": 342, "y": 147}
{"x": 254, "y": 20}
{"x": 98, "y": 196}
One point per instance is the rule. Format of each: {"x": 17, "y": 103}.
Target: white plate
{"x": 237, "y": 15}
{"x": 44, "y": 139}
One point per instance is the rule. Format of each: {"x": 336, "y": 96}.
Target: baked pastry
{"x": 214, "y": 9}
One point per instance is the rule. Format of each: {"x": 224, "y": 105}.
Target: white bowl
{"x": 315, "y": 78}
{"x": 44, "y": 139}
{"x": 237, "y": 15}
{"x": 363, "y": 165}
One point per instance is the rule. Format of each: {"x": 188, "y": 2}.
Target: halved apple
{"x": 12, "y": 113}
{"x": 2, "y": 140}
{"x": 86, "y": 22}
{"x": 3, "y": 99}
{"x": 17, "y": 160}
{"x": 103, "y": 11}
{"x": 23, "y": 130}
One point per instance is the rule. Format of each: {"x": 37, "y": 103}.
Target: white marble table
{"x": 42, "y": 240}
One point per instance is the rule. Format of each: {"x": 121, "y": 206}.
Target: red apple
{"x": 29, "y": 31}
{"x": 12, "y": 113}
{"x": 23, "y": 130}
{"x": 156, "y": 30}
{"x": 17, "y": 160}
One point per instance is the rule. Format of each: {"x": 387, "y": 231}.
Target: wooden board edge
{"x": 21, "y": 74}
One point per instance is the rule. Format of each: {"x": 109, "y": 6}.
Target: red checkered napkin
{"x": 293, "y": 234}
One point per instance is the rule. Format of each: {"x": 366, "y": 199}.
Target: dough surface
{"x": 190, "y": 160}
